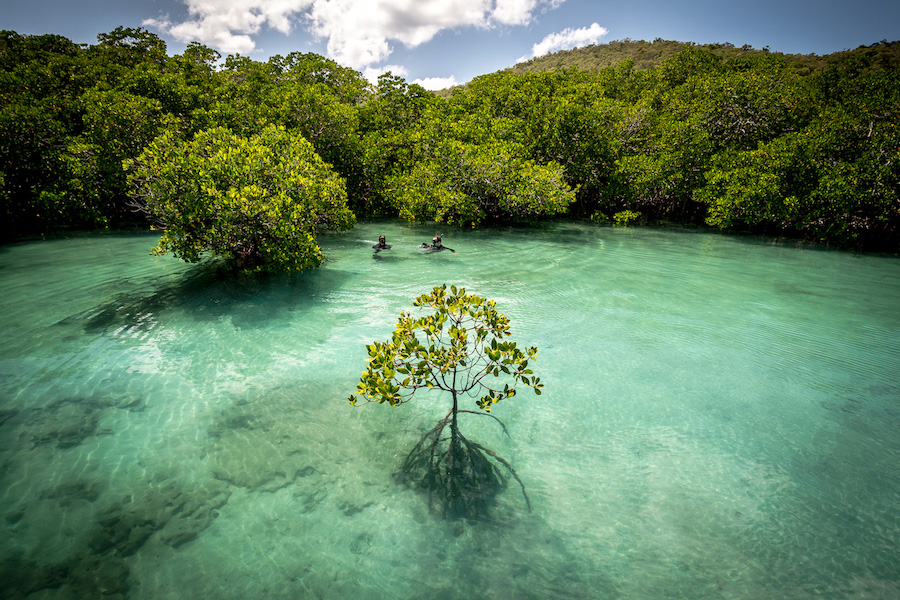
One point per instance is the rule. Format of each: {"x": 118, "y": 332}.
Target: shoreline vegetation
{"x": 630, "y": 132}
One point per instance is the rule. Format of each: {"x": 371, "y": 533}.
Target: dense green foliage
{"x": 733, "y": 138}
{"x": 463, "y": 351}
{"x": 256, "y": 201}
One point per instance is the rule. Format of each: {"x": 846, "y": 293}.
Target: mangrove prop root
{"x": 472, "y": 412}
{"x": 456, "y": 474}
{"x": 508, "y": 466}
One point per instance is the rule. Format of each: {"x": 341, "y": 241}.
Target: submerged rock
{"x": 88, "y": 576}
{"x": 70, "y": 492}
{"x": 178, "y": 517}
{"x": 67, "y": 423}
{"x": 6, "y": 415}
{"x": 19, "y": 578}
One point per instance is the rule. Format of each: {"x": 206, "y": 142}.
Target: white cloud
{"x": 228, "y": 25}
{"x": 359, "y": 32}
{"x": 373, "y": 73}
{"x": 437, "y": 83}
{"x": 429, "y": 83}
{"x": 567, "y": 39}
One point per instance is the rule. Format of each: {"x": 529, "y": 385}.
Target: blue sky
{"x": 442, "y": 42}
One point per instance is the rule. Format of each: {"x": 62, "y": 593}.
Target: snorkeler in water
{"x": 381, "y": 245}
{"x": 437, "y": 245}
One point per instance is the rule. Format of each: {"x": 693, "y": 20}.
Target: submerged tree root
{"x": 457, "y": 474}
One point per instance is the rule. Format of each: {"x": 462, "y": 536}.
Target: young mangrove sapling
{"x": 460, "y": 349}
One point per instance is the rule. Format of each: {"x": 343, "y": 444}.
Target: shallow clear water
{"x": 721, "y": 419}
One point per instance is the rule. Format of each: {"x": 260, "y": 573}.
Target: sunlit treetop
{"x": 460, "y": 348}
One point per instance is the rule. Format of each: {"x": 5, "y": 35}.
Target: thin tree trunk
{"x": 455, "y": 459}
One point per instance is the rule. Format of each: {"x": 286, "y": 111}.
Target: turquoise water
{"x": 721, "y": 419}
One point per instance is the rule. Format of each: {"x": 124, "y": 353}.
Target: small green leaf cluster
{"x": 626, "y": 216}
{"x": 460, "y": 348}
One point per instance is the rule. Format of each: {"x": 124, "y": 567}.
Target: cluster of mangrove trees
{"x": 221, "y": 151}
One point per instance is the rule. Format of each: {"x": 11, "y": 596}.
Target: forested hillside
{"x": 732, "y": 138}
{"x": 651, "y": 55}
